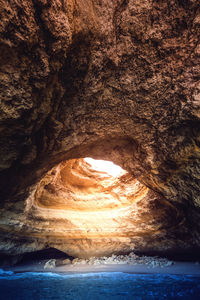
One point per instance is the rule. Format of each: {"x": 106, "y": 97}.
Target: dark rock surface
{"x": 116, "y": 80}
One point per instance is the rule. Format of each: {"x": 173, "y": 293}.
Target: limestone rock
{"x": 50, "y": 264}
{"x": 66, "y": 262}
{"x": 112, "y": 80}
{"x": 78, "y": 261}
{"x": 132, "y": 259}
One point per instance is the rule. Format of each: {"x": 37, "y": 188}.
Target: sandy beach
{"x": 177, "y": 268}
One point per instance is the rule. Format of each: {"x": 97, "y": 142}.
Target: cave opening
{"x": 89, "y": 206}
{"x": 93, "y": 207}
{"x": 86, "y": 202}
{"x": 105, "y": 166}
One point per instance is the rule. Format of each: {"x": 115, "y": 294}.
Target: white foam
{"x": 55, "y": 275}
{"x": 9, "y": 275}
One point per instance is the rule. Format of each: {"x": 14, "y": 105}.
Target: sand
{"x": 177, "y": 268}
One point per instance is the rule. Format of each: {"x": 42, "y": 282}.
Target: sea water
{"x": 95, "y": 286}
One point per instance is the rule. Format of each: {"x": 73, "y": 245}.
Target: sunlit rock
{"x": 50, "y": 264}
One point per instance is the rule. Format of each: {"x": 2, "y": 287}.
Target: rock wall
{"x": 116, "y": 80}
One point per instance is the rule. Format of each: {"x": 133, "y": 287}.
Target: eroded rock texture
{"x": 115, "y": 80}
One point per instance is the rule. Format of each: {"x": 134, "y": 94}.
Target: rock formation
{"x": 131, "y": 259}
{"x": 111, "y": 80}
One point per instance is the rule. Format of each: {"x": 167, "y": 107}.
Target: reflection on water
{"x": 95, "y": 286}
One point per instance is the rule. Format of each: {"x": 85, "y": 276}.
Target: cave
{"x": 99, "y": 149}
{"x": 89, "y": 83}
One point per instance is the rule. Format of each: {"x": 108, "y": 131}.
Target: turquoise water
{"x": 95, "y": 286}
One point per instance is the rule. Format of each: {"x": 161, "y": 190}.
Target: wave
{"x": 14, "y": 276}
{"x": 9, "y": 275}
{"x": 2, "y": 272}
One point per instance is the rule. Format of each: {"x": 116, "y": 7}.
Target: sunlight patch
{"x": 105, "y": 166}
